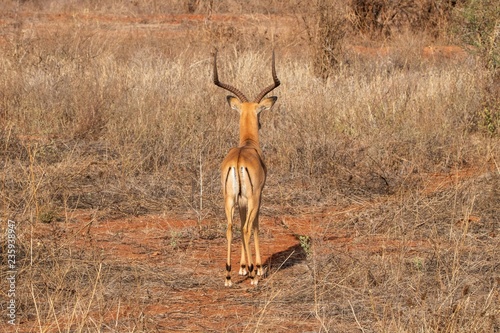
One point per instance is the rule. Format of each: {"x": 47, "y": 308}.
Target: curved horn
{"x": 229, "y": 88}
{"x": 271, "y": 87}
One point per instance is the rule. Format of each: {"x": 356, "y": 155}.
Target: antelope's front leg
{"x": 243, "y": 217}
{"x": 243, "y": 259}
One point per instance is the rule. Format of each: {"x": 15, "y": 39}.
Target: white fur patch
{"x": 233, "y": 178}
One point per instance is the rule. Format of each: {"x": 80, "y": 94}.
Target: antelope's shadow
{"x": 285, "y": 259}
{"x": 282, "y": 260}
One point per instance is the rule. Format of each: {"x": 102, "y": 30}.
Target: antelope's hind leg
{"x": 258, "y": 260}
{"x": 230, "y": 186}
{"x": 247, "y": 230}
{"x": 259, "y": 270}
{"x": 229, "y": 236}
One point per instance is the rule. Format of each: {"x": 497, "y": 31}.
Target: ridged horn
{"x": 269, "y": 88}
{"x": 228, "y": 87}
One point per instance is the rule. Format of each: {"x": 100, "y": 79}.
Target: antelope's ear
{"x": 266, "y": 103}
{"x": 234, "y": 103}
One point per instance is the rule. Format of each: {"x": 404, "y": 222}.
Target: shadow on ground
{"x": 286, "y": 258}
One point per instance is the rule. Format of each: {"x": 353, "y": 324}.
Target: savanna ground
{"x": 381, "y": 212}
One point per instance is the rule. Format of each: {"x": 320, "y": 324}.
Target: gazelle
{"x": 243, "y": 175}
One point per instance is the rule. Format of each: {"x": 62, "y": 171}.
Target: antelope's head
{"x": 249, "y": 111}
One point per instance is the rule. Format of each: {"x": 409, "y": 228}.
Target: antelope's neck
{"x": 249, "y": 130}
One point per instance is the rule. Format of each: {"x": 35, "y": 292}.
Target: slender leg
{"x": 229, "y": 236}
{"x": 252, "y": 215}
{"x": 258, "y": 261}
{"x": 243, "y": 260}
{"x": 247, "y": 232}
{"x": 243, "y": 216}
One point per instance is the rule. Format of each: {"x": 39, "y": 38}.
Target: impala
{"x": 243, "y": 175}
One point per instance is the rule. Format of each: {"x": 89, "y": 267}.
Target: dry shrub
{"x": 385, "y": 18}
{"x": 477, "y": 25}
{"x": 326, "y": 26}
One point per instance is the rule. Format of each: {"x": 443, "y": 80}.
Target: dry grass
{"x": 393, "y": 160}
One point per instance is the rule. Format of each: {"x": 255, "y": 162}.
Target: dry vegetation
{"x": 384, "y": 165}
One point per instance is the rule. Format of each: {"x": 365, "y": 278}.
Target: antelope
{"x": 243, "y": 174}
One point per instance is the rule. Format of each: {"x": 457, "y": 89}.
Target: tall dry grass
{"x": 82, "y": 112}
{"x": 120, "y": 125}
